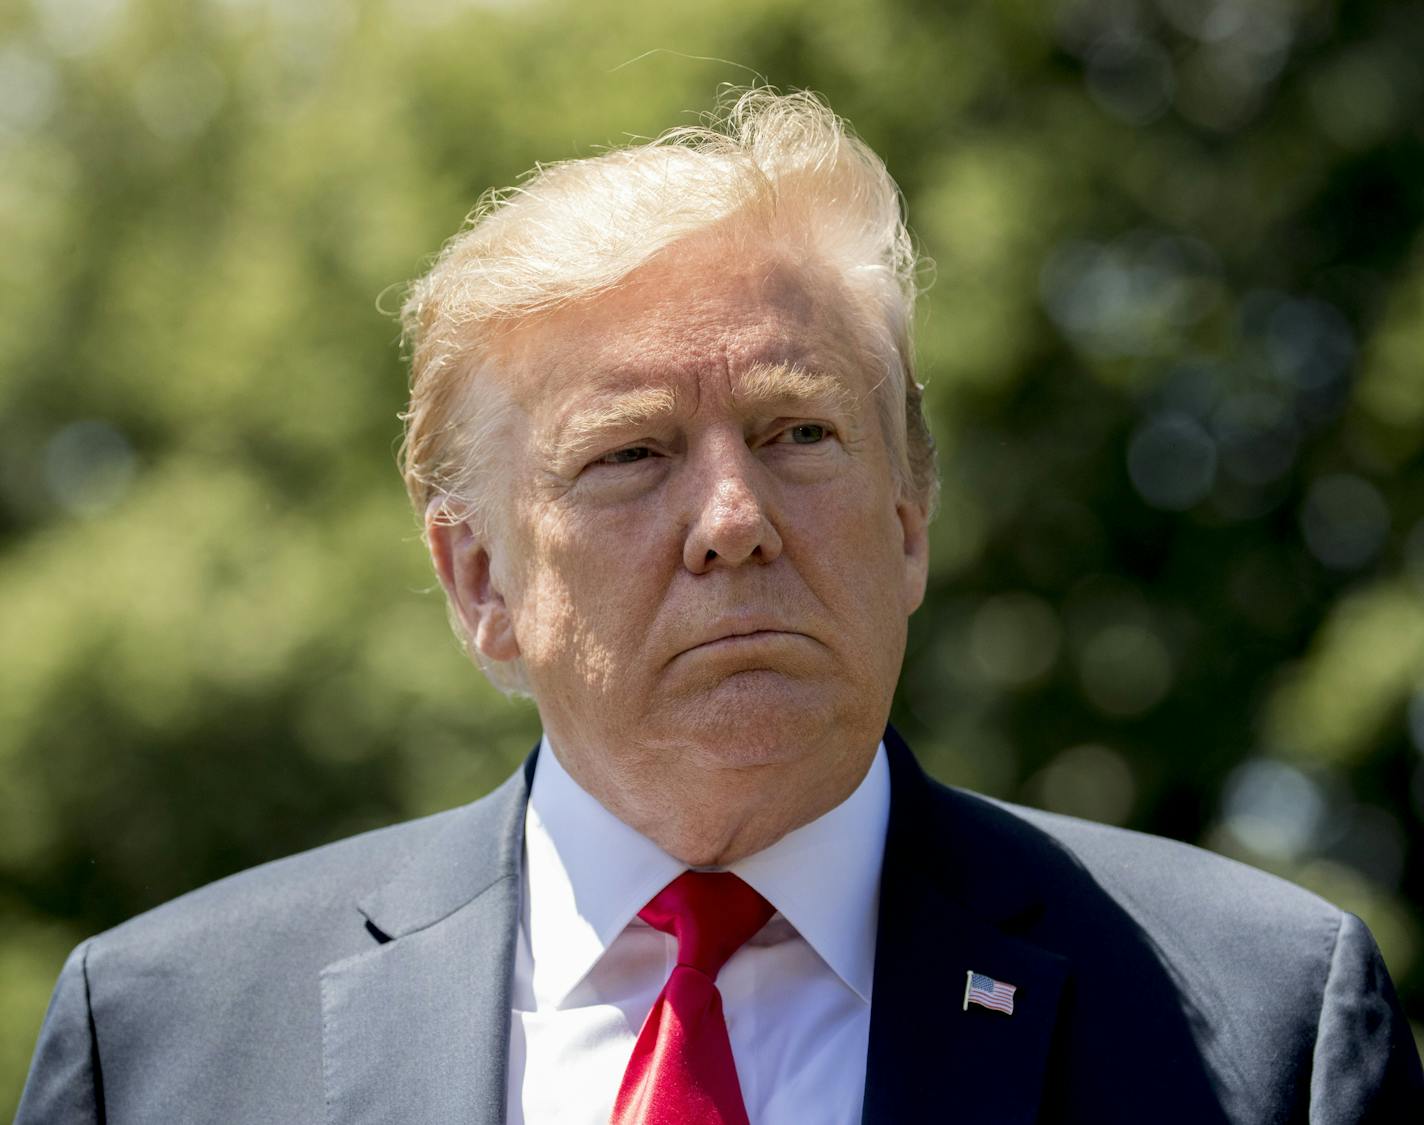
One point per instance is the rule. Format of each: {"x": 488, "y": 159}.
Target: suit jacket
{"x": 369, "y": 982}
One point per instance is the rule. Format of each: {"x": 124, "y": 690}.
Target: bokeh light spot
{"x": 1309, "y": 343}
{"x": 1357, "y": 99}
{"x": 1091, "y": 781}
{"x": 1257, "y": 437}
{"x": 1130, "y": 78}
{"x": 1344, "y": 521}
{"x": 1134, "y": 296}
{"x": 28, "y": 89}
{"x": 179, "y": 94}
{"x": 1172, "y": 462}
{"x": 1014, "y": 639}
{"x": 79, "y": 27}
{"x": 1273, "y": 808}
{"x": 1125, "y": 669}
{"x": 88, "y": 466}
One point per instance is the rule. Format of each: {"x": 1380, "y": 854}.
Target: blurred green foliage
{"x": 1173, "y": 355}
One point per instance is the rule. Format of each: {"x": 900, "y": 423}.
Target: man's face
{"x": 702, "y": 554}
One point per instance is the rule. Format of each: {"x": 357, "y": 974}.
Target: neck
{"x": 714, "y": 815}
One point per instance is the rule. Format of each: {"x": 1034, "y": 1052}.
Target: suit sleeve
{"x": 65, "y": 1086}
{"x": 1366, "y": 1068}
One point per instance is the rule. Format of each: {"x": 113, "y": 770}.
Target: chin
{"x": 758, "y": 717}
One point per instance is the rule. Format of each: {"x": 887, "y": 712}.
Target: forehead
{"x": 692, "y": 316}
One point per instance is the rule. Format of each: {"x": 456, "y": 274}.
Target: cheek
{"x": 584, "y": 599}
{"x": 853, "y": 539}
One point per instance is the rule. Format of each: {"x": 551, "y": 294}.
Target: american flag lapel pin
{"x": 988, "y": 993}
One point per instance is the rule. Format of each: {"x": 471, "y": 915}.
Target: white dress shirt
{"x": 587, "y": 969}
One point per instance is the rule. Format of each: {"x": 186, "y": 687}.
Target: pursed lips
{"x": 732, "y": 633}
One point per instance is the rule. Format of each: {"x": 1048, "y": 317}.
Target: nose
{"x": 731, "y": 520}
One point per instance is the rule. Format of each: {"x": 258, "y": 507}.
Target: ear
{"x": 914, "y": 526}
{"x": 462, "y": 563}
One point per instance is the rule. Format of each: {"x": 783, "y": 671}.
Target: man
{"x": 676, "y": 482}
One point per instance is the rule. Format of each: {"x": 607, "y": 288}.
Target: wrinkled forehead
{"x": 690, "y": 318}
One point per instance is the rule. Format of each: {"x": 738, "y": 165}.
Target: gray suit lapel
{"x": 417, "y": 1027}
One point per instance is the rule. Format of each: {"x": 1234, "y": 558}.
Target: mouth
{"x": 745, "y": 639}
{"x": 751, "y": 636}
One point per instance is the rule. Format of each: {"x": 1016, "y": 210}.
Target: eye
{"x": 806, "y": 433}
{"x": 625, "y": 456}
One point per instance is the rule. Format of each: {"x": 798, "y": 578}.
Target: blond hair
{"x": 783, "y": 166}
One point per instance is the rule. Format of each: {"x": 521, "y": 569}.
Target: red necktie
{"x": 682, "y": 1072}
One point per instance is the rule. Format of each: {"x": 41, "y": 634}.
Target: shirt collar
{"x": 825, "y": 877}
{"x": 588, "y": 874}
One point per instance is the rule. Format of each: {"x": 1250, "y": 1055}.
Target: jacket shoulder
{"x": 1286, "y": 993}
{"x": 1231, "y": 964}
{"x": 1176, "y": 883}
{"x": 285, "y": 899}
{"x": 210, "y": 1007}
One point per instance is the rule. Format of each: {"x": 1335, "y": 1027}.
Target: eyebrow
{"x": 765, "y": 387}
{"x": 584, "y": 432}
{"x": 768, "y": 385}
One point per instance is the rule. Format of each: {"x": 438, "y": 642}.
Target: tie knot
{"x": 711, "y": 913}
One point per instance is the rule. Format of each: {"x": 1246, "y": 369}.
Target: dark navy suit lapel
{"x": 948, "y": 905}
{"x": 417, "y": 1027}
